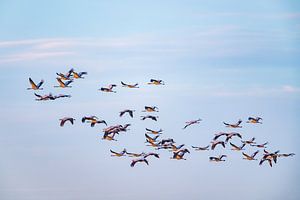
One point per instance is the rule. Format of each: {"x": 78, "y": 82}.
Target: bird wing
{"x": 239, "y": 122}
{"x": 61, "y": 83}
{"x": 246, "y": 155}
{"x": 234, "y": 145}
{"x": 148, "y": 137}
{"x": 113, "y": 152}
{"x": 33, "y": 85}
{"x": 153, "y": 118}
{"x": 213, "y": 146}
{"x": 70, "y": 72}
{"x": 122, "y": 113}
{"x": 68, "y": 82}
{"x": 37, "y": 95}
{"x": 62, "y": 122}
{"x": 254, "y": 154}
{"x": 131, "y": 113}
{"x": 223, "y": 144}
{"x": 82, "y": 73}
{"x": 124, "y": 84}
{"x": 40, "y": 83}
{"x": 226, "y": 124}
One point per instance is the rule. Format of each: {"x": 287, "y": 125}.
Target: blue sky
{"x": 221, "y": 61}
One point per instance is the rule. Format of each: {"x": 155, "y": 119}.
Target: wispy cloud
{"x": 214, "y": 42}
{"x": 256, "y": 91}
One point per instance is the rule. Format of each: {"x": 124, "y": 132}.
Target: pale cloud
{"x": 290, "y": 89}
{"x": 28, "y": 56}
{"x": 214, "y": 42}
{"x": 255, "y": 92}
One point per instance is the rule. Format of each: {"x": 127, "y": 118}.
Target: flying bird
{"x": 286, "y": 155}
{"x": 260, "y": 145}
{"x": 136, "y": 154}
{"x": 217, "y": 159}
{"x": 66, "y": 76}
{"x": 189, "y": 123}
{"x": 247, "y": 157}
{"x": 176, "y": 148}
{"x": 44, "y": 97}
{"x": 230, "y": 135}
{"x": 178, "y": 155}
{"x": 149, "y": 117}
{"x": 129, "y": 85}
{"x": 133, "y": 162}
{"x": 237, "y": 148}
{"x": 264, "y": 159}
{"x": 251, "y": 141}
{"x": 79, "y": 74}
{"x": 109, "y": 88}
{"x": 130, "y": 112}
{"x": 151, "y": 154}
{"x": 206, "y": 148}
{"x": 215, "y": 143}
{"x": 150, "y": 139}
{"x": 63, "y": 84}
{"x": 93, "y": 120}
{"x": 236, "y": 125}
{"x": 118, "y": 154}
{"x": 254, "y": 120}
{"x": 65, "y": 119}
{"x": 35, "y": 86}
{"x": 109, "y": 136}
{"x": 62, "y": 96}
{"x": 150, "y": 109}
{"x": 156, "y": 82}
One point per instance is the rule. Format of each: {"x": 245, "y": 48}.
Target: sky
{"x": 220, "y": 60}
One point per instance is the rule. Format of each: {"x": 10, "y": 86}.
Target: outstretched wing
{"x": 82, "y": 73}
{"x": 33, "y": 85}
{"x": 226, "y": 124}
{"x": 122, "y": 113}
{"x": 40, "y": 83}
{"x": 254, "y": 154}
{"x": 68, "y": 82}
{"x": 37, "y": 95}
{"x": 246, "y": 155}
{"x": 124, "y": 84}
{"x": 234, "y": 145}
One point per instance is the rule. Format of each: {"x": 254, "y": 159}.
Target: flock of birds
{"x": 178, "y": 151}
